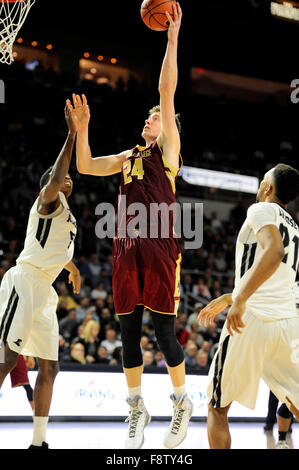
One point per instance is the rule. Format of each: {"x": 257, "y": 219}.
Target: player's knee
{"x": 48, "y": 370}
{"x": 132, "y": 356}
{"x": 10, "y": 359}
{"x": 171, "y": 349}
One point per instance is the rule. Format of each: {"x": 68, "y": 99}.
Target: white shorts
{"x": 28, "y": 321}
{"x": 267, "y": 350}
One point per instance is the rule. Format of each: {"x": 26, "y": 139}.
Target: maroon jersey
{"x": 147, "y": 178}
{"x": 146, "y": 269}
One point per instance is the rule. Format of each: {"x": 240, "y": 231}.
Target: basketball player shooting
{"x": 261, "y": 333}
{"x": 28, "y": 321}
{"x": 146, "y": 270}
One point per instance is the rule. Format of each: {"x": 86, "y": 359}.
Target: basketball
{"x": 153, "y": 13}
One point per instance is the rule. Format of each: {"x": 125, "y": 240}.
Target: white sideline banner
{"x": 102, "y": 394}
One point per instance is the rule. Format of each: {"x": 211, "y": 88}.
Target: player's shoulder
{"x": 260, "y": 208}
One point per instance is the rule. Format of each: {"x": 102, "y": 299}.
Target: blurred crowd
{"x": 33, "y": 132}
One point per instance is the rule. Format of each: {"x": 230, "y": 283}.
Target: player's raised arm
{"x": 58, "y": 175}
{"x": 170, "y": 138}
{"x": 86, "y": 164}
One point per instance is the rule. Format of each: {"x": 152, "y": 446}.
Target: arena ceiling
{"x": 237, "y": 36}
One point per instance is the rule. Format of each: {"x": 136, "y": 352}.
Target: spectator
{"x": 145, "y": 344}
{"x": 193, "y": 317}
{"x": 65, "y": 297}
{"x": 68, "y": 326}
{"x": 190, "y": 354}
{"x": 102, "y": 356}
{"x": 148, "y": 358}
{"x": 77, "y": 354}
{"x": 201, "y": 289}
{"x": 211, "y": 334}
{"x": 219, "y": 262}
{"x": 99, "y": 292}
{"x": 116, "y": 357}
{"x": 159, "y": 359}
{"x": 202, "y": 361}
{"x": 94, "y": 267}
{"x": 111, "y": 342}
{"x": 90, "y": 340}
{"x": 85, "y": 311}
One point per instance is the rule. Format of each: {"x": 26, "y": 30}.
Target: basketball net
{"x": 12, "y": 17}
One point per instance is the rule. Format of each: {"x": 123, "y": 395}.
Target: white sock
{"x": 39, "y": 429}
{"x": 133, "y": 391}
{"x": 179, "y": 391}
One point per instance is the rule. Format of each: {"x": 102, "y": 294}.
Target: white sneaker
{"x": 282, "y": 445}
{"x": 138, "y": 419}
{"x": 182, "y": 412}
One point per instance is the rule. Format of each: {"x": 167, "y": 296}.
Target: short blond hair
{"x": 157, "y": 109}
{"x": 87, "y": 329}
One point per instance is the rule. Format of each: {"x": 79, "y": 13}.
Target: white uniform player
{"x": 268, "y": 346}
{"x": 28, "y": 301}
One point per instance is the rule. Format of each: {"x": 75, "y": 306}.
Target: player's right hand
{"x": 79, "y": 111}
{"x": 216, "y": 306}
{"x": 75, "y": 279}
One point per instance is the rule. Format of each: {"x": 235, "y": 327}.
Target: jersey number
{"x": 248, "y": 254}
{"x": 286, "y": 241}
{"x": 137, "y": 170}
{"x": 72, "y": 235}
{"x": 250, "y": 250}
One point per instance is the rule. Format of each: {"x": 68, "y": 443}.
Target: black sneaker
{"x": 43, "y": 446}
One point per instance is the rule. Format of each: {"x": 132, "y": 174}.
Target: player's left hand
{"x": 234, "y": 317}
{"x": 175, "y": 22}
{"x": 75, "y": 279}
{"x": 30, "y": 362}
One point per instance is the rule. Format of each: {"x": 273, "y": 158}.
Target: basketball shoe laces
{"x": 177, "y": 419}
{"x": 133, "y": 418}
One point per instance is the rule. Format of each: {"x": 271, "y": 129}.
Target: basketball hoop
{"x": 13, "y": 13}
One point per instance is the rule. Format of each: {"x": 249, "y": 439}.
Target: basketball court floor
{"x": 111, "y": 435}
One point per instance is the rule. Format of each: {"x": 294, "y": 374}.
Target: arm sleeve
{"x": 261, "y": 214}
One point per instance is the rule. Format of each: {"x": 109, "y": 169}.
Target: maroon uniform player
{"x": 146, "y": 264}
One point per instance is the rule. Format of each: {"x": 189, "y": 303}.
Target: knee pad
{"x": 284, "y": 412}
{"x": 166, "y": 337}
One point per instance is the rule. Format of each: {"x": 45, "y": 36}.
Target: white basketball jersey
{"x": 49, "y": 242}
{"x": 275, "y": 298}
{"x": 296, "y": 293}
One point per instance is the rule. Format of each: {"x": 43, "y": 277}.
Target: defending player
{"x": 263, "y": 303}
{"x": 28, "y": 321}
{"x": 146, "y": 270}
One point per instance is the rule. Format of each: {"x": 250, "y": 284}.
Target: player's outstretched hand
{"x": 69, "y": 117}
{"x": 208, "y": 313}
{"x": 75, "y": 279}
{"x": 234, "y": 317}
{"x": 175, "y": 22}
{"x": 79, "y": 111}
